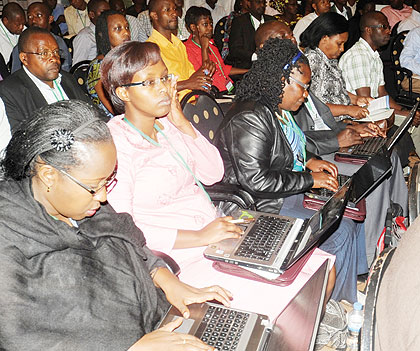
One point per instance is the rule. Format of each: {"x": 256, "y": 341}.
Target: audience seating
{"x": 403, "y": 97}
{"x": 203, "y": 112}
{"x": 80, "y": 72}
{"x": 376, "y": 273}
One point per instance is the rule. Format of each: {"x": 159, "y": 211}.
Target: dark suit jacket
{"x": 320, "y": 142}
{"x": 347, "y": 8}
{"x": 21, "y": 96}
{"x": 242, "y": 41}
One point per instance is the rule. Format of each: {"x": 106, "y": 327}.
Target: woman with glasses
{"x": 75, "y": 274}
{"x": 162, "y": 163}
{"x": 264, "y": 151}
{"x": 111, "y": 30}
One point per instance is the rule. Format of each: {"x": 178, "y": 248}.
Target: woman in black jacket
{"x": 264, "y": 151}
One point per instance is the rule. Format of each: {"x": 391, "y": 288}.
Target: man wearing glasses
{"x": 39, "y": 82}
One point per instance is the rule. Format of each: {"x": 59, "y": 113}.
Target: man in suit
{"x": 39, "y": 82}
{"x": 241, "y": 39}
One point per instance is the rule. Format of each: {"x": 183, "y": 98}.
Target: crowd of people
{"x": 96, "y": 178}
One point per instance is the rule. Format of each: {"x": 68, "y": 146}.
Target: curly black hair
{"x": 268, "y": 75}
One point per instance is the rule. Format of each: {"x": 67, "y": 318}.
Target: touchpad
{"x": 185, "y": 327}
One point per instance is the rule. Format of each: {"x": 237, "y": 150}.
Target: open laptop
{"x": 365, "y": 180}
{"x": 274, "y": 243}
{"x": 372, "y": 145}
{"x": 235, "y": 330}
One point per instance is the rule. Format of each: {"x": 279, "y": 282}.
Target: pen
{"x": 242, "y": 221}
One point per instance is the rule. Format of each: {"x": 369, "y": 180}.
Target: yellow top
{"x": 174, "y": 55}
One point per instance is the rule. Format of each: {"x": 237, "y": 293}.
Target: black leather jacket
{"x": 257, "y": 156}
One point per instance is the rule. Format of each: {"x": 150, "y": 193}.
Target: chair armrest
{"x": 170, "y": 262}
{"x": 231, "y": 193}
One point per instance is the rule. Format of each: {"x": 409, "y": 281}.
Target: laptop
{"x": 365, "y": 180}
{"x": 224, "y": 328}
{"x": 274, "y": 243}
{"x": 372, "y": 145}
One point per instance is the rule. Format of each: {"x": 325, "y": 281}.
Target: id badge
{"x": 229, "y": 87}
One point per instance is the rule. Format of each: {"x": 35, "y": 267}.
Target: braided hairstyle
{"x": 268, "y": 75}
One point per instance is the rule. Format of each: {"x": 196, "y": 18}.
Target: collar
{"x": 373, "y": 53}
{"x": 92, "y": 27}
{"x": 257, "y": 21}
{"x": 4, "y": 27}
{"x": 38, "y": 82}
{"x": 163, "y": 41}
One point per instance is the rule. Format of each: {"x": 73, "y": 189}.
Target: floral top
{"x": 327, "y": 82}
{"x": 93, "y": 78}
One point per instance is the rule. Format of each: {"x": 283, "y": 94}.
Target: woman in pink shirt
{"x": 162, "y": 161}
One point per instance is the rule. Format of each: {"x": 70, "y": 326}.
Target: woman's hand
{"x": 357, "y": 111}
{"x": 324, "y": 180}
{"x": 367, "y": 130}
{"x": 176, "y": 115}
{"x": 322, "y": 166}
{"x": 165, "y": 339}
{"x": 180, "y": 294}
{"x": 349, "y": 137}
{"x": 218, "y": 230}
{"x": 363, "y": 101}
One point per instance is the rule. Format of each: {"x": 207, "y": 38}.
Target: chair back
{"x": 403, "y": 97}
{"x": 220, "y": 36}
{"x": 80, "y": 73}
{"x": 203, "y": 112}
{"x": 377, "y": 270}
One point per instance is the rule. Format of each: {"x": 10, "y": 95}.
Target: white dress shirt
{"x": 7, "y": 42}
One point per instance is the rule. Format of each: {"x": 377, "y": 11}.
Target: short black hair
{"x": 194, "y": 14}
{"x": 328, "y": 24}
{"x": 11, "y": 10}
{"x": 103, "y": 46}
{"x": 92, "y": 5}
{"x": 32, "y": 140}
{"x": 122, "y": 63}
{"x": 267, "y": 77}
{"x": 42, "y": 5}
{"x": 369, "y": 19}
{"x": 26, "y": 35}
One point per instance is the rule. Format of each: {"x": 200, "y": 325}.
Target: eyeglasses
{"x": 381, "y": 26}
{"x": 46, "y": 54}
{"x": 152, "y": 82}
{"x": 303, "y": 85}
{"x": 108, "y": 183}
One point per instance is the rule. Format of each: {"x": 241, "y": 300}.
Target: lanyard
{"x": 179, "y": 157}
{"x": 288, "y": 120}
{"x": 59, "y": 90}
{"x": 83, "y": 22}
{"x": 5, "y": 33}
{"x": 218, "y": 62}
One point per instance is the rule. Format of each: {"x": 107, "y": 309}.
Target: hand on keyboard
{"x": 349, "y": 137}
{"x": 324, "y": 180}
{"x": 316, "y": 165}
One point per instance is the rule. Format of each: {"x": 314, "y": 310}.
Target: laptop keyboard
{"x": 341, "y": 180}
{"x": 262, "y": 240}
{"x": 222, "y": 328}
{"x": 370, "y": 146}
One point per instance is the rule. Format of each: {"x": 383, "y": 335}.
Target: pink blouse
{"x": 162, "y": 197}
{"x": 157, "y": 189}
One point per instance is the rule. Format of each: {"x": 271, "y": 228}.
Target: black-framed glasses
{"x": 46, "y": 54}
{"x": 381, "y": 26}
{"x": 152, "y": 82}
{"x": 303, "y": 85}
{"x": 108, "y": 183}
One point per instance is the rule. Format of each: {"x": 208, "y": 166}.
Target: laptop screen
{"x": 327, "y": 214}
{"x": 369, "y": 176}
{"x": 296, "y": 327}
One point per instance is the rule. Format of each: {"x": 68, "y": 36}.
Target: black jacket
{"x": 320, "y": 142}
{"x": 257, "y": 156}
{"x": 242, "y": 41}
{"x": 21, "y": 96}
